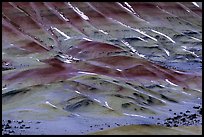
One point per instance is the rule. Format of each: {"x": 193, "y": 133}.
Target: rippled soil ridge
{"x": 100, "y": 65}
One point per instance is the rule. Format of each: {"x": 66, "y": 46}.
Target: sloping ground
{"x": 151, "y": 130}
{"x": 101, "y": 65}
